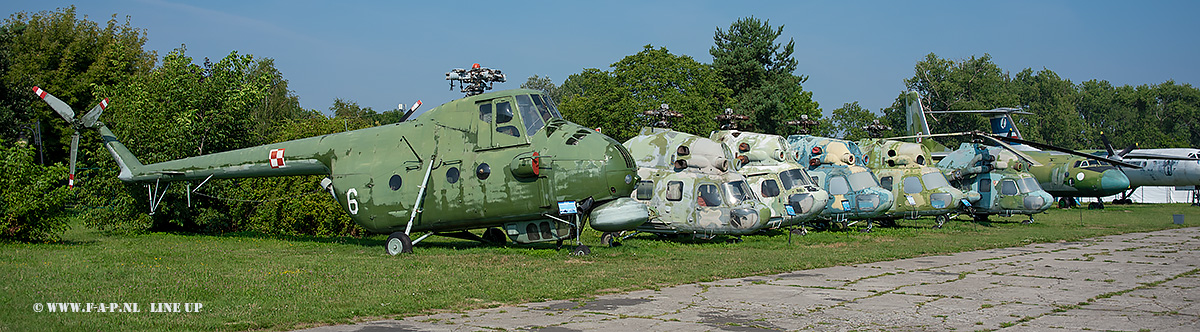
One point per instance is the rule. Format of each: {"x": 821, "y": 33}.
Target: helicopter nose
{"x": 1113, "y": 181}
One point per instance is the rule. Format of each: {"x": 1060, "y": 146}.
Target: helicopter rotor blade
{"x": 89, "y": 118}
{"x": 58, "y": 105}
{"x": 1067, "y": 151}
{"x": 1008, "y": 147}
{"x": 1108, "y": 146}
{"x": 74, "y": 151}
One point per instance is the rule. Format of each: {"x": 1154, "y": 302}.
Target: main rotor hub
{"x": 475, "y": 80}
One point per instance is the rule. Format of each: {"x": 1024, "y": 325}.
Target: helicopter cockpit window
{"x": 738, "y": 191}
{"x": 645, "y": 190}
{"x": 1008, "y": 187}
{"x": 1029, "y": 185}
{"x": 935, "y": 180}
{"x": 770, "y": 188}
{"x": 485, "y": 113}
{"x": 792, "y": 178}
{"x": 912, "y": 185}
{"x": 675, "y": 191}
{"x": 863, "y": 180}
{"x": 504, "y": 115}
{"x": 535, "y": 117}
{"x": 708, "y": 195}
{"x": 838, "y": 185}
{"x": 985, "y": 185}
{"x": 548, "y": 104}
{"x": 885, "y": 182}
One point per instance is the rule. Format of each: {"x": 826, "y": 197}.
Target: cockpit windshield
{"x": 1030, "y": 184}
{"x": 738, "y": 191}
{"x": 863, "y": 180}
{"x": 536, "y": 110}
{"x": 793, "y": 177}
{"x": 935, "y": 180}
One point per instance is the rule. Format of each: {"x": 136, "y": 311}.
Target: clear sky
{"x": 381, "y": 53}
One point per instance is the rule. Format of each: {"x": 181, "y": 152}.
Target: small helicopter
{"x": 781, "y": 182}
{"x": 904, "y": 168}
{"x": 996, "y": 180}
{"x": 837, "y": 166}
{"x": 502, "y": 161}
{"x": 1062, "y": 172}
{"x": 691, "y": 185}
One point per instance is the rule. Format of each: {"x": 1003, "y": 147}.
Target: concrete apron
{"x": 1129, "y": 282}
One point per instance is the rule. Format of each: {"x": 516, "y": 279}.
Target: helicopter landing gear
{"x": 494, "y": 235}
{"x": 398, "y": 243}
{"x": 1096, "y": 205}
{"x": 609, "y": 239}
{"x": 870, "y": 225}
{"x": 941, "y": 220}
{"x": 1029, "y": 221}
{"x": 581, "y": 250}
{"x": 799, "y": 231}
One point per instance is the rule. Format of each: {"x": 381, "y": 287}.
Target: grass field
{"x": 257, "y": 282}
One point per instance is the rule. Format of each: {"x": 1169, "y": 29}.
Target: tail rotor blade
{"x": 58, "y": 105}
{"x": 74, "y": 151}
{"x": 89, "y": 119}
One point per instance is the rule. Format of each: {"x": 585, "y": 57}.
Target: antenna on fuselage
{"x": 475, "y": 80}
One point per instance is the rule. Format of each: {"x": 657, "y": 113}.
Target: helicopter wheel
{"x": 870, "y": 225}
{"x": 980, "y": 217}
{"x": 1030, "y": 221}
{"x": 1095, "y": 206}
{"x": 398, "y": 243}
{"x": 581, "y": 250}
{"x": 609, "y": 239}
{"x": 799, "y": 231}
{"x": 494, "y": 235}
{"x": 941, "y": 220}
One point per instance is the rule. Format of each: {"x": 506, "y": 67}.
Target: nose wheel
{"x": 398, "y": 243}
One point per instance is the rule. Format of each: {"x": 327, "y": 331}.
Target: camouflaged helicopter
{"x": 904, "y": 168}
{"x": 837, "y": 166}
{"x": 502, "y": 161}
{"x": 781, "y": 182}
{"x": 1062, "y": 172}
{"x": 691, "y": 186}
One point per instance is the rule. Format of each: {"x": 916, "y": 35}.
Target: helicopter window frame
{"x": 985, "y": 185}
{"x": 452, "y": 175}
{"x": 533, "y": 117}
{"x": 862, "y": 180}
{"x": 709, "y": 195}
{"x": 838, "y": 185}
{"x": 792, "y": 178}
{"x": 645, "y": 190}
{"x": 549, "y": 104}
{"x": 935, "y": 180}
{"x": 485, "y": 115}
{"x": 1008, "y": 187}
{"x": 912, "y": 183}
{"x": 737, "y": 192}
{"x": 1029, "y": 184}
{"x": 769, "y": 188}
{"x": 504, "y": 114}
{"x": 675, "y": 191}
{"x": 886, "y": 182}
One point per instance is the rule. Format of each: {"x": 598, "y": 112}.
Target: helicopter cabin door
{"x": 499, "y": 125}
{"x": 501, "y": 139}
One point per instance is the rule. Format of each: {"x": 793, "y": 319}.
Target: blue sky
{"x": 381, "y": 53}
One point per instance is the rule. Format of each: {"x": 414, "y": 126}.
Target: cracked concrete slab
{"x": 1127, "y": 282}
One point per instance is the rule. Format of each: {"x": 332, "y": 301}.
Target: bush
{"x": 33, "y": 196}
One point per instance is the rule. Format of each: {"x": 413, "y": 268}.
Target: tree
{"x": 69, "y": 56}
{"x": 31, "y": 204}
{"x": 850, "y": 119}
{"x": 759, "y": 73}
{"x": 543, "y": 84}
{"x": 970, "y": 84}
{"x": 1055, "y": 119}
{"x": 615, "y": 100}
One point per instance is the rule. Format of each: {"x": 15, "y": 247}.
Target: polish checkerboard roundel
{"x": 276, "y": 158}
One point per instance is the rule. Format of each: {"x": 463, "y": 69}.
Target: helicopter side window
{"x": 708, "y": 195}
{"x": 792, "y": 178}
{"x": 770, "y": 188}
{"x": 885, "y": 182}
{"x": 504, "y": 114}
{"x": 863, "y": 180}
{"x": 645, "y": 190}
{"x": 838, "y": 185}
{"x": 543, "y": 107}
{"x": 738, "y": 191}
{"x": 985, "y": 185}
{"x": 675, "y": 191}
{"x": 912, "y": 185}
{"x": 533, "y": 118}
{"x": 1008, "y": 187}
{"x": 550, "y": 106}
{"x": 485, "y": 113}
{"x": 1078, "y": 163}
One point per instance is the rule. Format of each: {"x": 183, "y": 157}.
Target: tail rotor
{"x": 88, "y": 120}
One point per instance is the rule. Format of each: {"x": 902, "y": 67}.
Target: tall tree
{"x": 545, "y": 85}
{"x": 68, "y": 56}
{"x": 759, "y": 73}
{"x": 969, "y": 84}
{"x": 850, "y": 119}
{"x": 614, "y": 101}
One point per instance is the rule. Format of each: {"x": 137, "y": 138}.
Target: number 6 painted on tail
{"x": 352, "y": 201}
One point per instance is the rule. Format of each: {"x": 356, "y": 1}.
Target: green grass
{"x": 253, "y": 281}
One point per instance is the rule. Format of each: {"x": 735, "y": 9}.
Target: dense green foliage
{"x": 614, "y": 101}
{"x": 1065, "y": 114}
{"x": 760, "y": 73}
{"x": 31, "y": 204}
